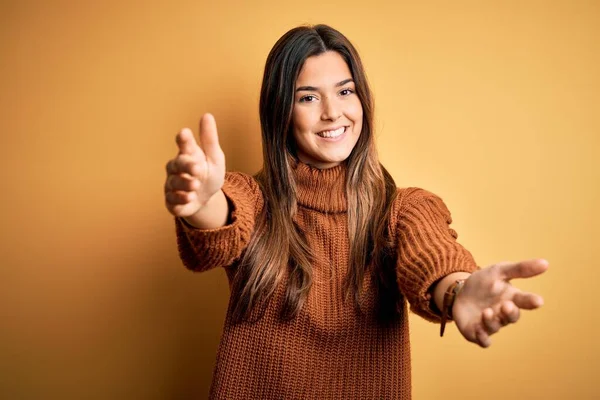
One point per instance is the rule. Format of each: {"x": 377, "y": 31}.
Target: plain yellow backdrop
{"x": 493, "y": 105}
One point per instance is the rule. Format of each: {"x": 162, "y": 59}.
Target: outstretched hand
{"x": 489, "y": 302}
{"x": 197, "y": 172}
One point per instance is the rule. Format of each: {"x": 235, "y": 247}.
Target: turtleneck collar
{"x": 323, "y": 190}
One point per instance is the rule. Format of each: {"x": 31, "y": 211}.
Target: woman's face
{"x": 327, "y": 114}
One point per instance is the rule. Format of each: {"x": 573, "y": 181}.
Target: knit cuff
{"x": 424, "y": 305}
{"x": 203, "y": 249}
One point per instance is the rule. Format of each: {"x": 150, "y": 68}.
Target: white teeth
{"x": 332, "y": 134}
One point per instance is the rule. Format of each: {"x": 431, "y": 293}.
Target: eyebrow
{"x": 314, "y": 89}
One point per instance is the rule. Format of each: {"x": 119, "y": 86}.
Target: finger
{"x": 490, "y": 322}
{"x": 179, "y": 197}
{"x": 209, "y": 138}
{"x": 523, "y": 269}
{"x": 183, "y": 210}
{"x": 187, "y": 164}
{"x": 171, "y": 168}
{"x": 186, "y": 142}
{"x": 527, "y": 301}
{"x": 509, "y": 313}
{"x": 483, "y": 339}
{"x": 182, "y": 183}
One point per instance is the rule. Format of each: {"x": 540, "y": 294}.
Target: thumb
{"x": 209, "y": 138}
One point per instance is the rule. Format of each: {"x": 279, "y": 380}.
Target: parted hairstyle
{"x": 278, "y": 244}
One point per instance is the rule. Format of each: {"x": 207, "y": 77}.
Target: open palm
{"x": 489, "y": 302}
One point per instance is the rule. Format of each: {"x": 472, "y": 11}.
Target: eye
{"x": 307, "y": 99}
{"x": 346, "y": 92}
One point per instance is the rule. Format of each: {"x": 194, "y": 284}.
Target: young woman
{"x": 321, "y": 250}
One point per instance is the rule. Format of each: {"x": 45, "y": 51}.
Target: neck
{"x": 322, "y": 190}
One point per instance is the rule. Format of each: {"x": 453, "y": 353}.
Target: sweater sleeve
{"x": 204, "y": 249}
{"x": 427, "y": 248}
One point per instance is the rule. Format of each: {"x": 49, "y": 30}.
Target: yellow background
{"x": 493, "y": 105}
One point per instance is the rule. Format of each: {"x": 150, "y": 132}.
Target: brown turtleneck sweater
{"x": 328, "y": 351}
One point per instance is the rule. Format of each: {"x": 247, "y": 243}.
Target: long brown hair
{"x": 278, "y": 243}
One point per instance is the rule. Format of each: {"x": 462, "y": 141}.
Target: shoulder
{"x": 244, "y": 189}
{"x": 413, "y": 196}
{"x": 241, "y": 181}
{"x": 413, "y": 200}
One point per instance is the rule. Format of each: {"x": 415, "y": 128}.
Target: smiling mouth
{"x": 333, "y": 134}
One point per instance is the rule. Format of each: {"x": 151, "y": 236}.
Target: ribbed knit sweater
{"x": 328, "y": 351}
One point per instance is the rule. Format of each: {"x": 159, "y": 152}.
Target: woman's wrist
{"x": 212, "y": 214}
{"x": 442, "y": 286}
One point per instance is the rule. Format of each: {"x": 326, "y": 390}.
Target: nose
{"x": 331, "y": 110}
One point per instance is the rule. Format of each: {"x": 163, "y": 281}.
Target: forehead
{"x": 326, "y": 69}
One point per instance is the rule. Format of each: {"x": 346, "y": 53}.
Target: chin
{"x": 335, "y": 160}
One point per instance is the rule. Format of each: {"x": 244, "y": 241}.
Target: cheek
{"x": 303, "y": 119}
{"x": 300, "y": 126}
{"x": 355, "y": 111}
{"x": 297, "y": 119}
